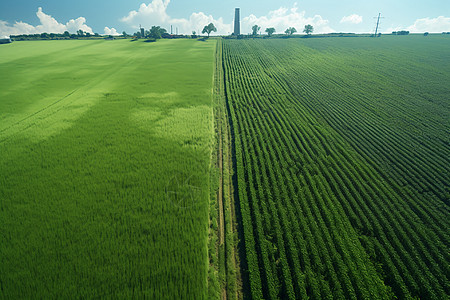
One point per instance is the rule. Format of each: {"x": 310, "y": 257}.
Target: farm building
{"x": 5, "y": 41}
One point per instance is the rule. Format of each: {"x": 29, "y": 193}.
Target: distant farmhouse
{"x": 5, "y": 41}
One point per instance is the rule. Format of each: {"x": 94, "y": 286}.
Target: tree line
{"x": 53, "y": 36}
{"x": 289, "y": 31}
{"x": 155, "y": 32}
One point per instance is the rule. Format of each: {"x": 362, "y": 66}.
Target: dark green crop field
{"x": 342, "y": 156}
{"x": 104, "y": 169}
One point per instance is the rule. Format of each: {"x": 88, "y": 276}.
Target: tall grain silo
{"x": 237, "y": 22}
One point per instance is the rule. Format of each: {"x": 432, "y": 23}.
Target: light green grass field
{"x": 104, "y": 167}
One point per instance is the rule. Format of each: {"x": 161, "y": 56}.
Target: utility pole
{"x": 378, "y": 24}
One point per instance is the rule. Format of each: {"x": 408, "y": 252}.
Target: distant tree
{"x": 88, "y": 34}
{"x": 290, "y": 31}
{"x": 66, "y": 34}
{"x": 194, "y": 35}
{"x": 80, "y": 32}
{"x": 44, "y": 35}
{"x": 124, "y": 34}
{"x": 425, "y": 34}
{"x": 155, "y": 32}
{"x": 209, "y": 28}
{"x": 255, "y": 29}
{"x": 270, "y": 31}
{"x": 308, "y": 29}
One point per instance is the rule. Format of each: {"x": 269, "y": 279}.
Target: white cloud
{"x": 155, "y": 14}
{"x": 47, "y": 24}
{"x": 352, "y": 19}
{"x": 77, "y": 24}
{"x": 439, "y": 24}
{"x": 154, "y": 11}
{"x": 283, "y": 18}
{"x": 110, "y": 31}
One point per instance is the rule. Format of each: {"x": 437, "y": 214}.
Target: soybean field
{"x": 341, "y": 150}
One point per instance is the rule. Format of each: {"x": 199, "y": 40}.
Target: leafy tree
{"x": 255, "y": 29}
{"x": 124, "y": 34}
{"x": 209, "y": 28}
{"x": 270, "y": 31}
{"x": 194, "y": 34}
{"x": 308, "y": 29}
{"x": 66, "y": 34}
{"x": 88, "y": 34}
{"x": 155, "y": 32}
{"x": 290, "y": 31}
{"x": 80, "y": 32}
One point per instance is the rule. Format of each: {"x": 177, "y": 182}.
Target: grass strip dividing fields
{"x": 342, "y": 158}
{"x": 105, "y": 169}
{"x": 228, "y": 248}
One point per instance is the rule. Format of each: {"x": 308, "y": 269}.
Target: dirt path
{"x": 220, "y": 192}
{"x": 221, "y": 227}
{"x": 229, "y": 266}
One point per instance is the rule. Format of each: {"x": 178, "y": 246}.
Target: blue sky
{"x": 325, "y": 15}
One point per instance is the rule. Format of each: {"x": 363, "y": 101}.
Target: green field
{"x": 260, "y": 169}
{"x": 342, "y": 165}
{"x": 105, "y": 155}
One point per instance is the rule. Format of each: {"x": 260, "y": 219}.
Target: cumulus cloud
{"x": 110, "y": 31}
{"x": 439, "y": 24}
{"x": 47, "y": 24}
{"x": 283, "y": 18}
{"x": 155, "y": 13}
{"x": 155, "y": 10}
{"x": 352, "y": 19}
